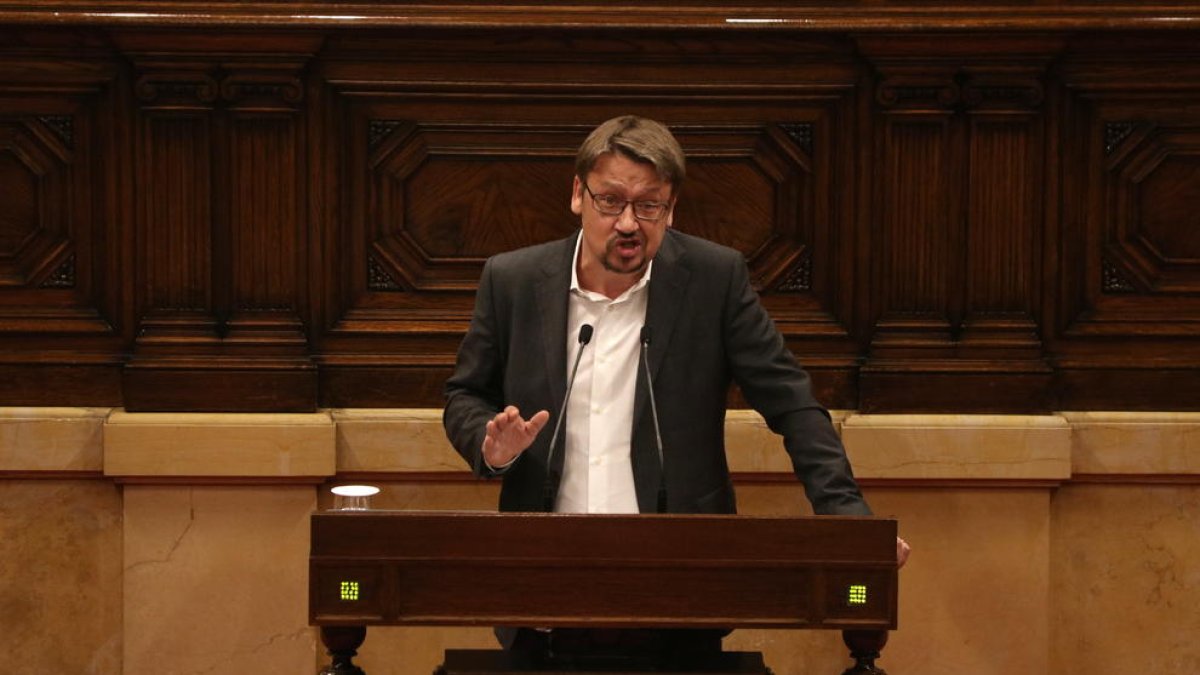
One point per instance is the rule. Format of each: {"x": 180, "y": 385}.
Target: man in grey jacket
{"x": 646, "y": 291}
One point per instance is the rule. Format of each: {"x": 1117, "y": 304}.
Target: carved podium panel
{"x": 561, "y": 570}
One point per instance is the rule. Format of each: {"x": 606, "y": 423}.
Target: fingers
{"x": 509, "y": 420}
{"x": 537, "y": 422}
{"x": 508, "y": 434}
{"x": 502, "y": 421}
{"x": 902, "y": 552}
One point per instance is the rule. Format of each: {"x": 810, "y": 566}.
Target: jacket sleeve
{"x": 474, "y": 393}
{"x": 777, "y": 387}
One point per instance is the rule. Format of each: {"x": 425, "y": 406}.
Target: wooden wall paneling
{"x": 957, "y": 226}
{"x": 277, "y": 218}
{"x": 813, "y": 296}
{"x": 915, "y": 234}
{"x": 1131, "y": 305}
{"x": 1001, "y": 330}
{"x": 222, "y": 227}
{"x": 469, "y": 151}
{"x": 61, "y": 221}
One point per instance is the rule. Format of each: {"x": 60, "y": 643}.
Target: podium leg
{"x": 865, "y": 646}
{"x": 342, "y": 642}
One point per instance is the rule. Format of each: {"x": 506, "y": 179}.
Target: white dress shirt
{"x": 597, "y": 471}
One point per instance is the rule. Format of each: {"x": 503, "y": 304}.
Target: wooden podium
{"x": 372, "y": 568}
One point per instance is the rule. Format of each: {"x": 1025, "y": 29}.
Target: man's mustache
{"x": 622, "y": 237}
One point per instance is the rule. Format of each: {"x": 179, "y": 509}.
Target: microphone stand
{"x": 548, "y": 489}
{"x": 662, "y": 466}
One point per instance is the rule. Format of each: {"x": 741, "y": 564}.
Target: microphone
{"x": 585, "y": 336}
{"x": 662, "y": 482}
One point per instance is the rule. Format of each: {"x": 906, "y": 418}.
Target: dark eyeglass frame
{"x": 642, "y": 210}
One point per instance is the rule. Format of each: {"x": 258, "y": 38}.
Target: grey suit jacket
{"x": 708, "y": 329}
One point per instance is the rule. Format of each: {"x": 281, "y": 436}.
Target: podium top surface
{"x": 463, "y": 535}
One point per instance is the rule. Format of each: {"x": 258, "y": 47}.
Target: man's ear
{"x": 577, "y": 196}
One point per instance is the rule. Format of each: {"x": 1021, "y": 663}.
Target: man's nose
{"x": 626, "y": 223}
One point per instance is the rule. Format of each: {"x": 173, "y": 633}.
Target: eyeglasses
{"x": 612, "y": 205}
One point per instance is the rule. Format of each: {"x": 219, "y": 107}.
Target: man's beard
{"x": 610, "y": 248}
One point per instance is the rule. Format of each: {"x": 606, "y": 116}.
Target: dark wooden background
{"x": 267, "y": 206}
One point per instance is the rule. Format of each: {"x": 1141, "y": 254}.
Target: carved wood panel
{"x": 956, "y": 251}
{"x": 206, "y": 218}
{"x": 1129, "y": 317}
{"x": 220, "y": 168}
{"x": 439, "y": 178}
{"x": 60, "y": 227}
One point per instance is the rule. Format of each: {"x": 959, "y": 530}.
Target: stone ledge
{"x": 52, "y": 439}
{"x": 1007, "y": 447}
{"x": 398, "y": 441}
{"x": 219, "y": 445}
{"x": 1135, "y": 443}
{"x": 371, "y": 441}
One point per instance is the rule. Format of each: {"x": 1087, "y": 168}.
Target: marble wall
{"x": 215, "y": 579}
{"x": 178, "y": 543}
{"x": 61, "y": 577}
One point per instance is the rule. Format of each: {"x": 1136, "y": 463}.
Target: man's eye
{"x": 609, "y": 200}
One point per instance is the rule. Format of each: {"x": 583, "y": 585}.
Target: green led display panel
{"x": 856, "y": 595}
{"x": 349, "y": 590}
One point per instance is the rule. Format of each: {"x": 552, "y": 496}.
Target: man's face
{"x": 617, "y": 248}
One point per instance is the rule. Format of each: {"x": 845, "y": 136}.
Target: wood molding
{"x": 1064, "y": 15}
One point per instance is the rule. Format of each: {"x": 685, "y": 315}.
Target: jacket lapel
{"x": 668, "y": 285}
{"x": 552, "y": 309}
